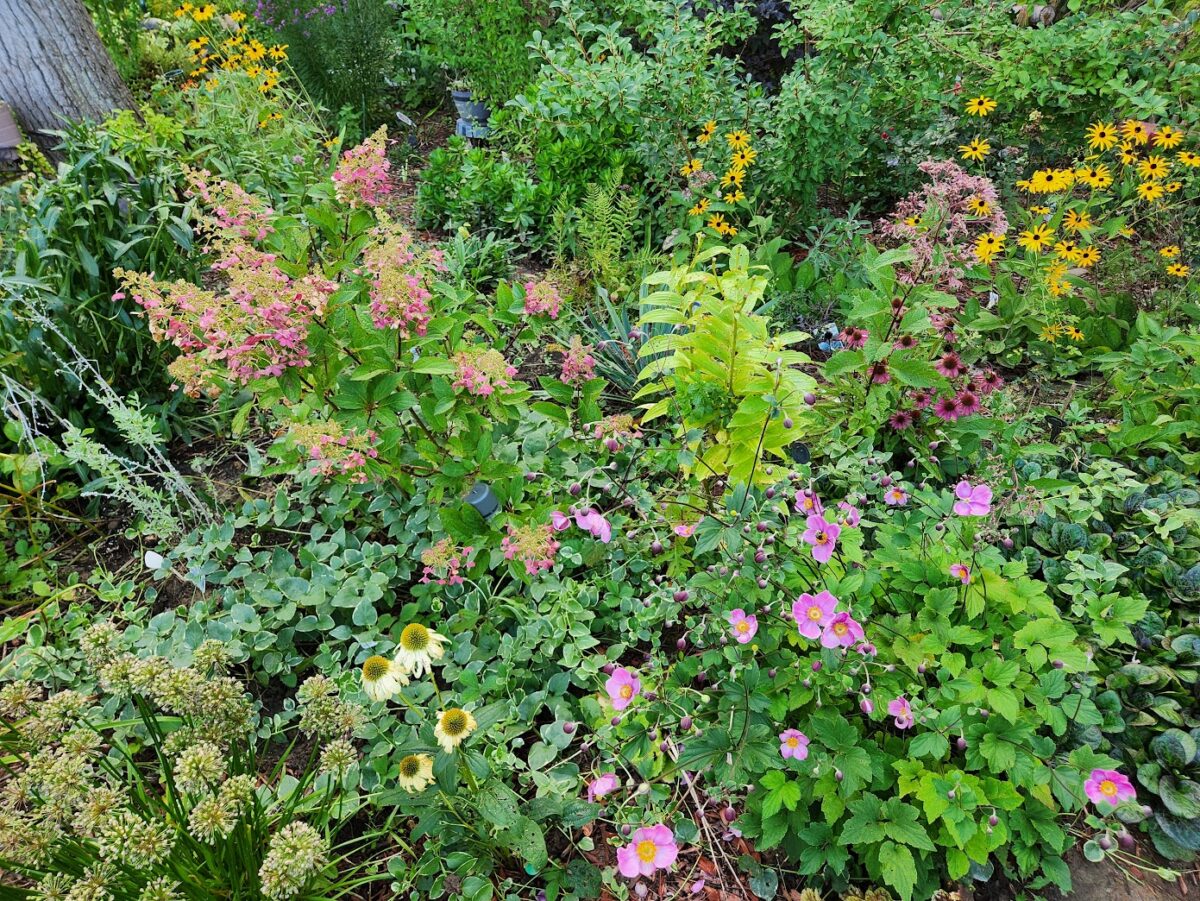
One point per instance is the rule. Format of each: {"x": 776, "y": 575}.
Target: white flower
{"x": 452, "y": 727}
{"x": 419, "y": 647}
{"x": 382, "y": 678}
{"x": 415, "y": 772}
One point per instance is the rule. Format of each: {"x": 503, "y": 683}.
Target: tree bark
{"x": 53, "y": 67}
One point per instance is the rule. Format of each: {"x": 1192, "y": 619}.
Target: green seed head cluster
{"x": 296, "y": 853}
{"x": 323, "y": 712}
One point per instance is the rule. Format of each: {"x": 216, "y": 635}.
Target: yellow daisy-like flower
{"x": 419, "y": 648}
{"x": 1135, "y": 131}
{"x": 1101, "y": 136}
{"x": 1126, "y": 232}
{"x": 706, "y": 132}
{"x": 912, "y": 221}
{"x": 743, "y": 157}
{"x": 1169, "y": 252}
{"x": 979, "y": 207}
{"x": 976, "y": 150}
{"x": 737, "y": 140}
{"x": 452, "y": 727}
{"x": 1036, "y": 239}
{"x": 691, "y": 167}
{"x": 733, "y": 177}
{"x": 716, "y": 221}
{"x": 183, "y": 10}
{"x": 1067, "y": 250}
{"x": 735, "y": 196}
{"x": 1153, "y": 167}
{"x": 237, "y": 16}
{"x": 381, "y": 678}
{"x": 1051, "y": 332}
{"x": 1127, "y": 156}
{"x": 278, "y": 52}
{"x": 700, "y": 208}
{"x": 1095, "y": 176}
{"x": 1150, "y": 190}
{"x": 1040, "y": 210}
{"x": 1189, "y": 159}
{"x": 1088, "y": 257}
{"x": 1077, "y": 222}
{"x": 1167, "y": 137}
{"x": 415, "y": 772}
{"x": 1073, "y": 333}
{"x": 1043, "y": 181}
{"x": 987, "y": 246}
{"x": 204, "y": 13}
{"x": 980, "y": 106}
{"x": 1179, "y": 270}
{"x": 1173, "y": 186}
{"x": 197, "y": 43}
{"x": 730, "y": 231}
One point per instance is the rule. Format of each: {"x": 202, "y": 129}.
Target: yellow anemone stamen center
{"x": 627, "y": 691}
{"x": 814, "y": 613}
{"x": 793, "y": 742}
{"x": 840, "y": 628}
{"x": 646, "y": 850}
{"x": 1108, "y": 787}
{"x": 743, "y": 626}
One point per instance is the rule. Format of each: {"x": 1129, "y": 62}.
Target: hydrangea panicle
{"x": 361, "y": 177}
{"x": 482, "y": 371}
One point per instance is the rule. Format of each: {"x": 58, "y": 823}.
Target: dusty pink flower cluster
{"x": 534, "y": 545}
{"x": 542, "y": 298}
{"x": 938, "y": 224}
{"x": 334, "y": 451}
{"x": 399, "y": 274}
{"x": 482, "y": 372}
{"x": 229, "y": 212}
{"x": 578, "y": 365}
{"x": 361, "y": 176}
{"x": 445, "y": 561}
{"x": 615, "y": 430}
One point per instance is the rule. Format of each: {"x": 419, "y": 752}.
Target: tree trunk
{"x": 53, "y": 67}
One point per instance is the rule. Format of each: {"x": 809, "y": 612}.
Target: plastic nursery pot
{"x": 483, "y": 499}
{"x": 469, "y": 109}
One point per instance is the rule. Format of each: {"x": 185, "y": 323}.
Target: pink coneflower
{"x": 622, "y": 687}
{"x": 987, "y": 381}
{"x": 880, "y": 374}
{"x": 813, "y": 613}
{"x": 972, "y": 500}
{"x": 853, "y": 338}
{"x": 905, "y": 342}
{"x": 968, "y": 402}
{"x": 744, "y": 626}
{"x": 843, "y": 631}
{"x": 950, "y": 365}
{"x": 946, "y": 408}
{"x": 794, "y": 744}
{"x": 900, "y": 709}
{"x": 921, "y": 398}
{"x": 902, "y": 420}
{"x": 961, "y": 572}
{"x": 822, "y": 536}
{"x": 1108, "y": 787}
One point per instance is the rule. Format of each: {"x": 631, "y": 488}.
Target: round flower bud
{"x": 569, "y": 728}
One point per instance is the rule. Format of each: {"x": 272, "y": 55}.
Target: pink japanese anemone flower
{"x": 652, "y": 848}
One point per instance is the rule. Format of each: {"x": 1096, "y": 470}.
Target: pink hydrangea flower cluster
{"x": 256, "y": 328}
{"x": 229, "y": 212}
{"x": 534, "y": 545}
{"x": 361, "y": 176}
{"x": 578, "y": 365}
{"x": 937, "y": 222}
{"x": 542, "y": 299}
{"x": 483, "y": 371}
{"x": 334, "y": 451}
{"x": 445, "y": 562}
{"x": 615, "y": 431}
{"x": 401, "y": 283}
